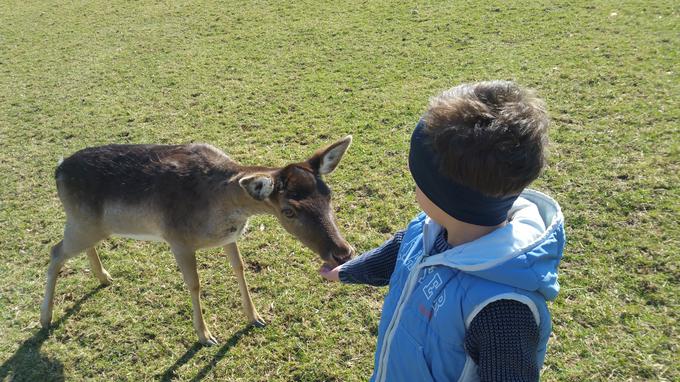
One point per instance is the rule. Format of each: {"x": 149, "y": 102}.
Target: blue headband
{"x": 463, "y": 203}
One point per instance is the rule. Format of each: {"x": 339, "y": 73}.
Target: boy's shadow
{"x": 28, "y": 364}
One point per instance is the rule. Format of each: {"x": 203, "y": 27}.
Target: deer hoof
{"x": 45, "y": 323}
{"x": 209, "y": 341}
{"x": 258, "y": 323}
{"x": 106, "y": 280}
{"x": 45, "y": 318}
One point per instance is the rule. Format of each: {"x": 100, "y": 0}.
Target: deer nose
{"x": 343, "y": 255}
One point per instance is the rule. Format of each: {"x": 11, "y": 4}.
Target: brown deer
{"x": 191, "y": 197}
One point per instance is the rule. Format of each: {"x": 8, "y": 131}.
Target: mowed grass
{"x": 269, "y": 82}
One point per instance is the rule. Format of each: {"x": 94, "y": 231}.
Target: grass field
{"x": 269, "y": 82}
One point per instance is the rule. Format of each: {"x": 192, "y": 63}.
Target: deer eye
{"x": 288, "y": 212}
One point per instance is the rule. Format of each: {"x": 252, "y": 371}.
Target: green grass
{"x": 269, "y": 82}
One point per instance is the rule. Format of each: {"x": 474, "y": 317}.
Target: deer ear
{"x": 258, "y": 186}
{"x": 326, "y": 160}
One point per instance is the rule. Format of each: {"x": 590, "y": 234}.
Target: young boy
{"x": 470, "y": 276}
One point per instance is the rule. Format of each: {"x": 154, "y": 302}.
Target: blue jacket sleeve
{"x": 374, "y": 267}
{"x": 503, "y": 341}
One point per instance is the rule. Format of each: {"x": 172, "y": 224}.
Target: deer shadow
{"x": 28, "y": 363}
{"x": 170, "y": 373}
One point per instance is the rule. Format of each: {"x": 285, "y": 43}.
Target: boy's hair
{"x": 489, "y": 136}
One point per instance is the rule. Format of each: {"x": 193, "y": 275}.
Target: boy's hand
{"x": 330, "y": 274}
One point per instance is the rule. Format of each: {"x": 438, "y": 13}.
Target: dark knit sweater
{"x": 502, "y": 339}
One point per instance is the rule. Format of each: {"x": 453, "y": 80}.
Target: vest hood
{"x": 525, "y": 253}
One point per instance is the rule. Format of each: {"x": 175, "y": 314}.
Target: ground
{"x": 269, "y": 82}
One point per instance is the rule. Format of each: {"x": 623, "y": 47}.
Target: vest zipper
{"x": 405, "y": 294}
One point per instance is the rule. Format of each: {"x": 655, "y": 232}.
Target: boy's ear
{"x": 324, "y": 161}
{"x": 258, "y": 186}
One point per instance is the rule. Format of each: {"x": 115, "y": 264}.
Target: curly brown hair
{"x": 489, "y": 136}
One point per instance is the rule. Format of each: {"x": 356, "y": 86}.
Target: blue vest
{"x": 433, "y": 299}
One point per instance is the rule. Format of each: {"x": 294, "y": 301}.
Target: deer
{"x": 192, "y": 197}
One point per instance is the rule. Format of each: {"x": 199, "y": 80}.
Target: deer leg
{"x": 57, "y": 260}
{"x": 95, "y": 263}
{"x": 74, "y": 242}
{"x": 186, "y": 260}
{"x": 237, "y": 263}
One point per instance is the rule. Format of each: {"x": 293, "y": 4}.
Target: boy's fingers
{"x": 323, "y": 271}
{"x": 325, "y": 268}
{"x": 327, "y": 272}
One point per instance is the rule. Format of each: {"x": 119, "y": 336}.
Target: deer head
{"x": 297, "y": 195}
